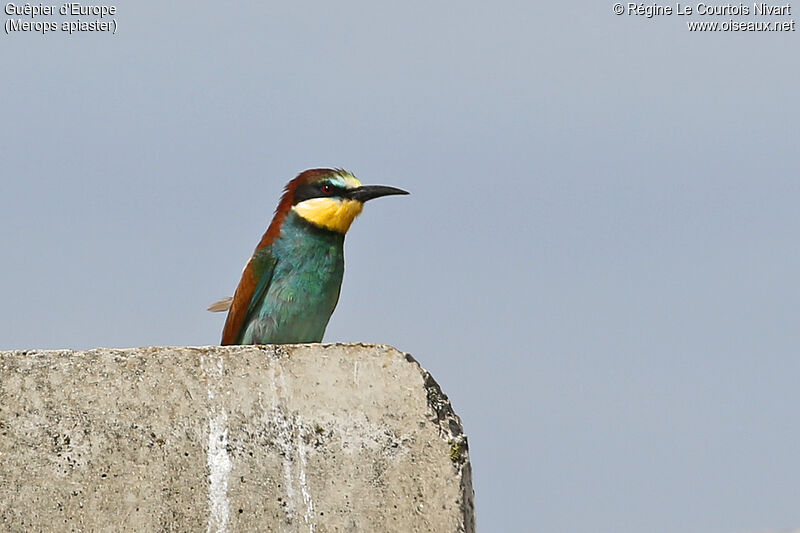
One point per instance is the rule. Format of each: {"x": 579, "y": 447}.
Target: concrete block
{"x": 313, "y": 438}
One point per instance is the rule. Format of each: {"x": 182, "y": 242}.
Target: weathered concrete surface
{"x": 312, "y": 438}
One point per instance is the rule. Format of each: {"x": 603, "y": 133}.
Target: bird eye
{"x": 326, "y": 188}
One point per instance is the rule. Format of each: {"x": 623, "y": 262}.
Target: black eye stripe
{"x": 314, "y": 190}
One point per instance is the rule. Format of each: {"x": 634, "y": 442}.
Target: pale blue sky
{"x": 598, "y": 261}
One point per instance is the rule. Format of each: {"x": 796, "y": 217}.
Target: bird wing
{"x": 255, "y": 281}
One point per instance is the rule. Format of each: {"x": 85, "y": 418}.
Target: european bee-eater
{"x": 291, "y": 284}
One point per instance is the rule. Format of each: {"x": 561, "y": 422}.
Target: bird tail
{"x": 222, "y": 305}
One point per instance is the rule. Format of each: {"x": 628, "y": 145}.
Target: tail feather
{"x": 222, "y": 305}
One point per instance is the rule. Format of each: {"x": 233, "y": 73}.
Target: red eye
{"x": 326, "y": 189}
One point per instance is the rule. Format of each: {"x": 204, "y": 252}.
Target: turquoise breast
{"x": 304, "y": 288}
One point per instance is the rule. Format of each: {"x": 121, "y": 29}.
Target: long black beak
{"x": 368, "y": 192}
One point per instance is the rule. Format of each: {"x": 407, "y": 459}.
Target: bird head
{"x": 330, "y": 198}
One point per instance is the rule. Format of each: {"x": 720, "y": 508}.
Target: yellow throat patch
{"x": 331, "y": 213}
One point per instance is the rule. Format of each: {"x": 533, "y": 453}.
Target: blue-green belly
{"x": 304, "y": 288}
